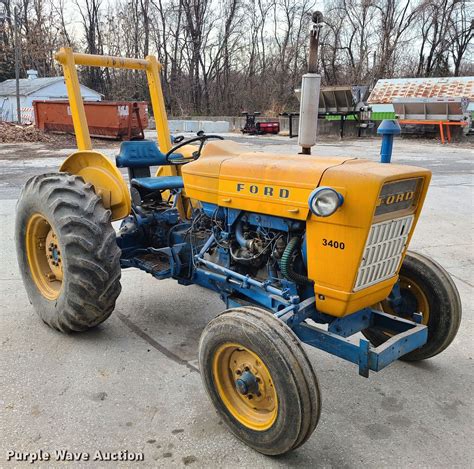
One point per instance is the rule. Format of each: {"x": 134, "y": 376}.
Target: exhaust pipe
{"x": 310, "y": 86}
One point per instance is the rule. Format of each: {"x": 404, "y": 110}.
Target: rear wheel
{"x": 425, "y": 288}
{"x": 259, "y": 379}
{"x": 67, "y": 253}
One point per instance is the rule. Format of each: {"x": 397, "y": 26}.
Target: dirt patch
{"x": 15, "y": 133}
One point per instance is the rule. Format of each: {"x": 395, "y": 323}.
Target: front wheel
{"x": 426, "y": 288}
{"x": 67, "y": 252}
{"x": 259, "y": 379}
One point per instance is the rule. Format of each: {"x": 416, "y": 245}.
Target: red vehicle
{"x": 259, "y": 128}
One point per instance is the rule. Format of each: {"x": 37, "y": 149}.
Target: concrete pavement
{"x": 131, "y": 384}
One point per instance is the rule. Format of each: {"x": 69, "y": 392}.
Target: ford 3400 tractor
{"x": 302, "y": 249}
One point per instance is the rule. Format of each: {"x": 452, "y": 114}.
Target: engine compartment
{"x": 262, "y": 247}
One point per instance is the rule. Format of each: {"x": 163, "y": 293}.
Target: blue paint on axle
{"x": 388, "y": 128}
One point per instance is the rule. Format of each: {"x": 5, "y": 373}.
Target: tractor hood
{"x": 277, "y": 184}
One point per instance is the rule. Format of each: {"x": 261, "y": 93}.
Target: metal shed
{"x": 35, "y": 89}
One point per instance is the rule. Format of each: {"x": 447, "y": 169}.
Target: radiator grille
{"x": 383, "y": 251}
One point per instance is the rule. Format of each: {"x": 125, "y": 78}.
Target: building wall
{"x": 8, "y": 109}
{"x": 51, "y": 92}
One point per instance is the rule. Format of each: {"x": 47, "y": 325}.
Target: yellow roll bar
{"x": 68, "y": 59}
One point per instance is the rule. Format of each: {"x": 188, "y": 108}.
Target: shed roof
{"x": 445, "y": 87}
{"x": 28, "y": 86}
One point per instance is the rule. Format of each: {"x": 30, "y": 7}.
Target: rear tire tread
{"x": 91, "y": 254}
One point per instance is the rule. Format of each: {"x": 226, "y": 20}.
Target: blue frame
{"x": 237, "y": 290}
{"x": 409, "y": 336}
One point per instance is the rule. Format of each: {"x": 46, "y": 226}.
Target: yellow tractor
{"x": 302, "y": 249}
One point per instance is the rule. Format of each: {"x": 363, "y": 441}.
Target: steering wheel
{"x": 201, "y": 137}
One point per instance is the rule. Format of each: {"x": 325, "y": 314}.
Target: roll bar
{"x": 69, "y": 60}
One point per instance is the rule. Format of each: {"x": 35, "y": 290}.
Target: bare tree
{"x": 435, "y": 19}
{"x": 395, "y": 19}
{"x": 461, "y": 34}
{"x": 225, "y": 56}
{"x": 90, "y": 14}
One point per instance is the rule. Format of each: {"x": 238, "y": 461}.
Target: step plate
{"x": 156, "y": 264}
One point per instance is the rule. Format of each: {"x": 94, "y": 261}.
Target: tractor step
{"x": 157, "y": 264}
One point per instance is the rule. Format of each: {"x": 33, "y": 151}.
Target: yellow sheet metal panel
{"x": 108, "y": 182}
{"x": 201, "y": 181}
{"x": 273, "y": 184}
{"x": 341, "y": 303}
{"x": 335, "y": 244}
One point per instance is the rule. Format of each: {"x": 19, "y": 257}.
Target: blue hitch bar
{"x": 388, "y": 128}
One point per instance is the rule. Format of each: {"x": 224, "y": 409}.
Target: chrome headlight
{"x": 324, "y": 201}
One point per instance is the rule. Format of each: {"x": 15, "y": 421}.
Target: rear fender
{"x": 108, "y": 182}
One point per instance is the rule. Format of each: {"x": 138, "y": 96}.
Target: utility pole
{"x": 17, "y": 64}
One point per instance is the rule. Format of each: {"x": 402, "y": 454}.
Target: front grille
{"x": 383, "y": 251}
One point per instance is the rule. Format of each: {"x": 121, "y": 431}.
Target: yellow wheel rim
{"x": 44, "y": 256}
{"x": 410, "y": 287}
{"x": 237, "y": 369}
